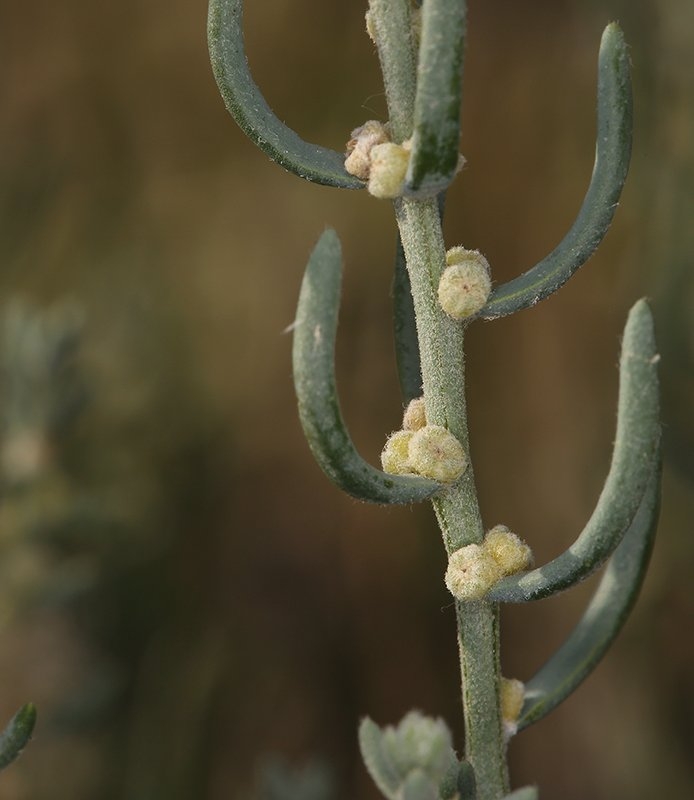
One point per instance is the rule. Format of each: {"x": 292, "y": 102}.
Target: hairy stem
{"x": 457, "y": 509}
{"x": 442, "y": 360}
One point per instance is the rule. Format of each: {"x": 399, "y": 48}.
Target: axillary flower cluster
{"x": 475, "y": 568}
{"x": 420, "y": 449}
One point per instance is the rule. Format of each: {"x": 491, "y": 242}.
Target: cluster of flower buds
{"x": 475, "y": 568}
{"x": 373, "y": 157}
{"x": 421, "y": 449}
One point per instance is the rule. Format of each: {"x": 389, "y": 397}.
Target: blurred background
{"x": 196, "y": 611}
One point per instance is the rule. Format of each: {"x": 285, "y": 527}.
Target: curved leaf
{"x": 436, "y": 136}
{"x": 314, "y": 380}
{"x": 603, "y": 619}
{"x": 17, "y": 734}
{"x": 613, "y": 150}
{"x": 633, "y": 461}
{"x": 247, "y": 105}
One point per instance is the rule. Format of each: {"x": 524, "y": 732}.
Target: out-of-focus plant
{"x": 40, "y": 396}
{"x": 411, "y": 159}
{"x": 85, "y": 546}
{"x": 278, "y": 781}
{"x": 16, "y": 735}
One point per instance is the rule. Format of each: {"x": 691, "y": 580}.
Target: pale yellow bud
{"x": 415, "y": 416}
{"x": 465, "y": 284}
{"x": 509, "y": 551}
{"x": 388, "y": 169}
{"x": 471, "y": 572}
{"x": 511, "y": 697}
{"x": 364, "y": 138}
{"x": 435, "y": 453}
{"x": 460, "y": 254}
{"x": 395, "y": 455}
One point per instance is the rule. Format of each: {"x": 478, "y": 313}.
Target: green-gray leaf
{"x": 248, "y": 107}
{"x": 16, "y": 735}
{"x": 603, "y": 619}
{"x": 436, "y": 137}
{"x": 405, "y": 331}
{"x": 380, "y": 766}
{"x": 419, "y": 786}
{"x": 612, "y": 154}
{"x": 633, "y": 461}
{"x": 526, "y": 793}
{"x": 314, "y": 380}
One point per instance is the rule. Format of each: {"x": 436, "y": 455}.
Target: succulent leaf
{"x": 17, "y": 734}
{"x": 436, "y": 138}
{"x": 418, "y": 786}
{"x": 612, "y": 154}
{"x": 527, "y": 793}
{"x": 248, "y": 107}
{"x": 314, "y": 381}
{"x": 467, "y": 790}
{"x": 405, "y": 331}
{"x": 413, "y": 760}
{"x": 634, "y": 460}
{"x": 405, "y": 323}
{"x": 604, "y": 617}
{"x": 377, "y": 760}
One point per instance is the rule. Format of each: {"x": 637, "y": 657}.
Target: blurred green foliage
{"x": 182, "y": 592}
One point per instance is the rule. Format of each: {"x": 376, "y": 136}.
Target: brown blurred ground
{"x": 238, "y": 605}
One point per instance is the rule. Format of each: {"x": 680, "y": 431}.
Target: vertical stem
{"x": 457, "y": 509}
{"x": 442, "y": 359}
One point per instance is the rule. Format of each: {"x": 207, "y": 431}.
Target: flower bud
{"x": 415, "y": 416}
{"x": 509, "y": 551}
{"x": 395, "y": 454}
{"x": 511, "y": 697}
{"x": 471, "y": 572}
{"x": 465, "y": 284}
{"x": 388, "y": 169}
{"x": 358, "y": 161}
{"x": 435, "y": 453}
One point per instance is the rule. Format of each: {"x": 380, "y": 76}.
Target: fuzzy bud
{"x": 364, "y": 138}
{"x": 389, "y": 163}
{"x": 511, "y": 697}
{"x": 395, "y": 456}
{"x": 509, "y": 551}
{"x": 415, "y": 416}
{"x": 471, "y": 572}
{"x": 465, "y": 284}
{"x": 435, "y": 453}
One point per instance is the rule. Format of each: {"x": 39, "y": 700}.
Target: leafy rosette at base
{"x": 415, "y": 760}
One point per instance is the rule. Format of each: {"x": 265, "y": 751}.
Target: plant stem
{"x": 442, "y": 358}
{"x": 457, "y": 510}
